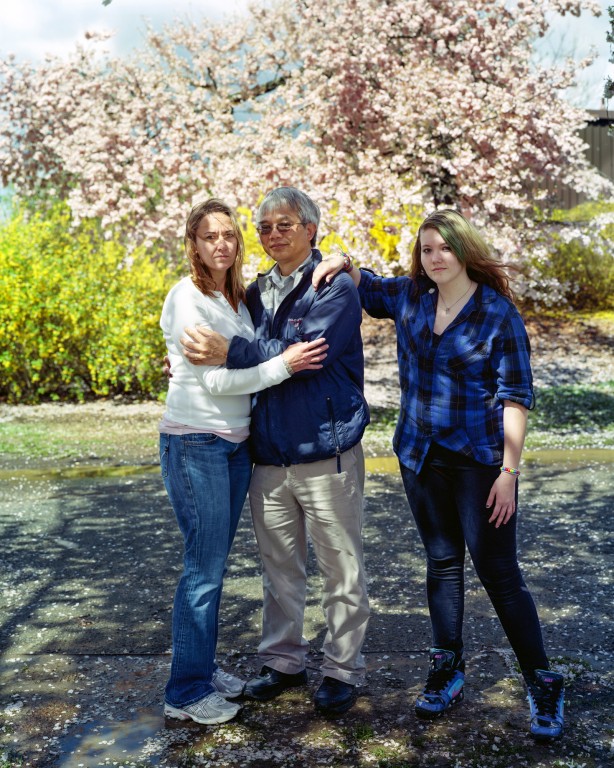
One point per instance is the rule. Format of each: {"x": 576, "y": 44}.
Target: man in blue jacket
{"x": 309, "y": 468}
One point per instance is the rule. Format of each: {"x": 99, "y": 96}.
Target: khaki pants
{"x": 288, "y": 504}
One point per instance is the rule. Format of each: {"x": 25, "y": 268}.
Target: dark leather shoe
{"x": 334, "y": 697}
{"x": 271, "y": 683}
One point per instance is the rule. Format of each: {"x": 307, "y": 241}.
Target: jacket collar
{"x": 315, "y": 257}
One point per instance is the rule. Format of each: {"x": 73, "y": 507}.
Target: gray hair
{"x": 307, "y": 211}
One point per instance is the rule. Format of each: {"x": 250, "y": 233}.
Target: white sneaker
{"x": 208, "y": 711}
{"x": 227, "y": 685}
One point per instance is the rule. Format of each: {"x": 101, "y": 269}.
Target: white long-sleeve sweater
{"x": 204, "y": 396}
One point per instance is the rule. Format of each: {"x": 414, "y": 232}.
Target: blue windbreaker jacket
{"x": 314, "y": 415}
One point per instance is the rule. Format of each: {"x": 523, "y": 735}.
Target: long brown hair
{"x": 468, "y": 246}
{"x": 201, "y": 277}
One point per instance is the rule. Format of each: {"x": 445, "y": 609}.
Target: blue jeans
{"x": 206, "y": 478}
{"x": 448, "y": 502}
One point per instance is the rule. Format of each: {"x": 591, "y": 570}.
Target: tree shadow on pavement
{"x": 89, "y": 572}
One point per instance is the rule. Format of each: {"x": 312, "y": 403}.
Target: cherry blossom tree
{"x": 378, "y": 108}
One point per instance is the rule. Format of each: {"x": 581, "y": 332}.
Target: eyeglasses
{"x": 282, "y": 228}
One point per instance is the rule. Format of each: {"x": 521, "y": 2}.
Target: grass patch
{"x": 573, "y": 416}
{"x": 363, "y": 731}
{"x": 76, "y": 435}
{"x": 11, "y": 759}
{"x": 383, "y": 420}
{"x": 566, "y": 417}
{"x": 570, "y": 416}
{"x": 574, "y": 407}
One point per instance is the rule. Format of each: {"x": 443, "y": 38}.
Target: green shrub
{"x": 78, "y": 314}
{"x": 587, "y": 267}
{"x": 573, "y": 259}
{"x": 584, "y": 212}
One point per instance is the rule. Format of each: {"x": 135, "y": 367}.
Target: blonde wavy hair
{"x": 468, "y": 246}
{"x": 201, "y": 277}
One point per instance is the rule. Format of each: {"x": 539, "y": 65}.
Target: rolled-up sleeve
{"x": 511, "y": 362}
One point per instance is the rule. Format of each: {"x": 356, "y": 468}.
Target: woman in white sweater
{"x": 204, "y": 453}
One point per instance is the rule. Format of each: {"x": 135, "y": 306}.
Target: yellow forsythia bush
{"x": 78, "y": 315}
{"x": 385, "y": 235}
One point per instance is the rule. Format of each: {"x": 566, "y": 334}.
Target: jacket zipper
{"x": 329, "y": 404}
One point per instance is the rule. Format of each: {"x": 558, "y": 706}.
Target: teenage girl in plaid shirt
{"x": 466, "y": 387}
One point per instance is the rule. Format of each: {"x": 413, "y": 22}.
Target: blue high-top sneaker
{"x": 546, "y": 694}
{"x": 444, "y": 684}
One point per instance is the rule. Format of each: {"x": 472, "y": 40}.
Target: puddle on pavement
{"x": 121, "y": 742}
{"x": 376, "y": 465}
{"x": 383, "y": 465}
{"x": 75, "y": 473}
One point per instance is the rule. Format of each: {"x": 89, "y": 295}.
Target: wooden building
{"x": 599, "y": 135}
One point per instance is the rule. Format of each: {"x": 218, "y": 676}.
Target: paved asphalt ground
{"x": 89, "y": 566}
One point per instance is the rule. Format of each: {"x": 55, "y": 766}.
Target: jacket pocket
{"x": 333, "y": 432}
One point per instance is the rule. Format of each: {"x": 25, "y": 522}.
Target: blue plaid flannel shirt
{"x": 452, "y": 385}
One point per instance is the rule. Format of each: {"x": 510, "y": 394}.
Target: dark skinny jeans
{"x": 448, "y": 501}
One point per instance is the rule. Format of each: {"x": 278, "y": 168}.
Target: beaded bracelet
{"x": 347, "y": 262}
{"x": 510, "y": 470}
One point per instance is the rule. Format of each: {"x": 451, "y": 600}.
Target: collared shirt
{"x": 274, "y": 287}
{"x": 453, "y": 384}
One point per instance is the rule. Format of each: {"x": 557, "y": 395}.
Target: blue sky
{"x": 32, "y": 28}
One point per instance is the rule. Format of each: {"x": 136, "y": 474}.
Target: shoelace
{"x": 438, "y": 679}
{"x": 545, "y": 700}
{"x": 212, "y": 699}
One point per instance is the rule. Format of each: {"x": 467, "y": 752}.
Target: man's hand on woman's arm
{"x": 200, "y": 350}
{"x": 203, "y": 346}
